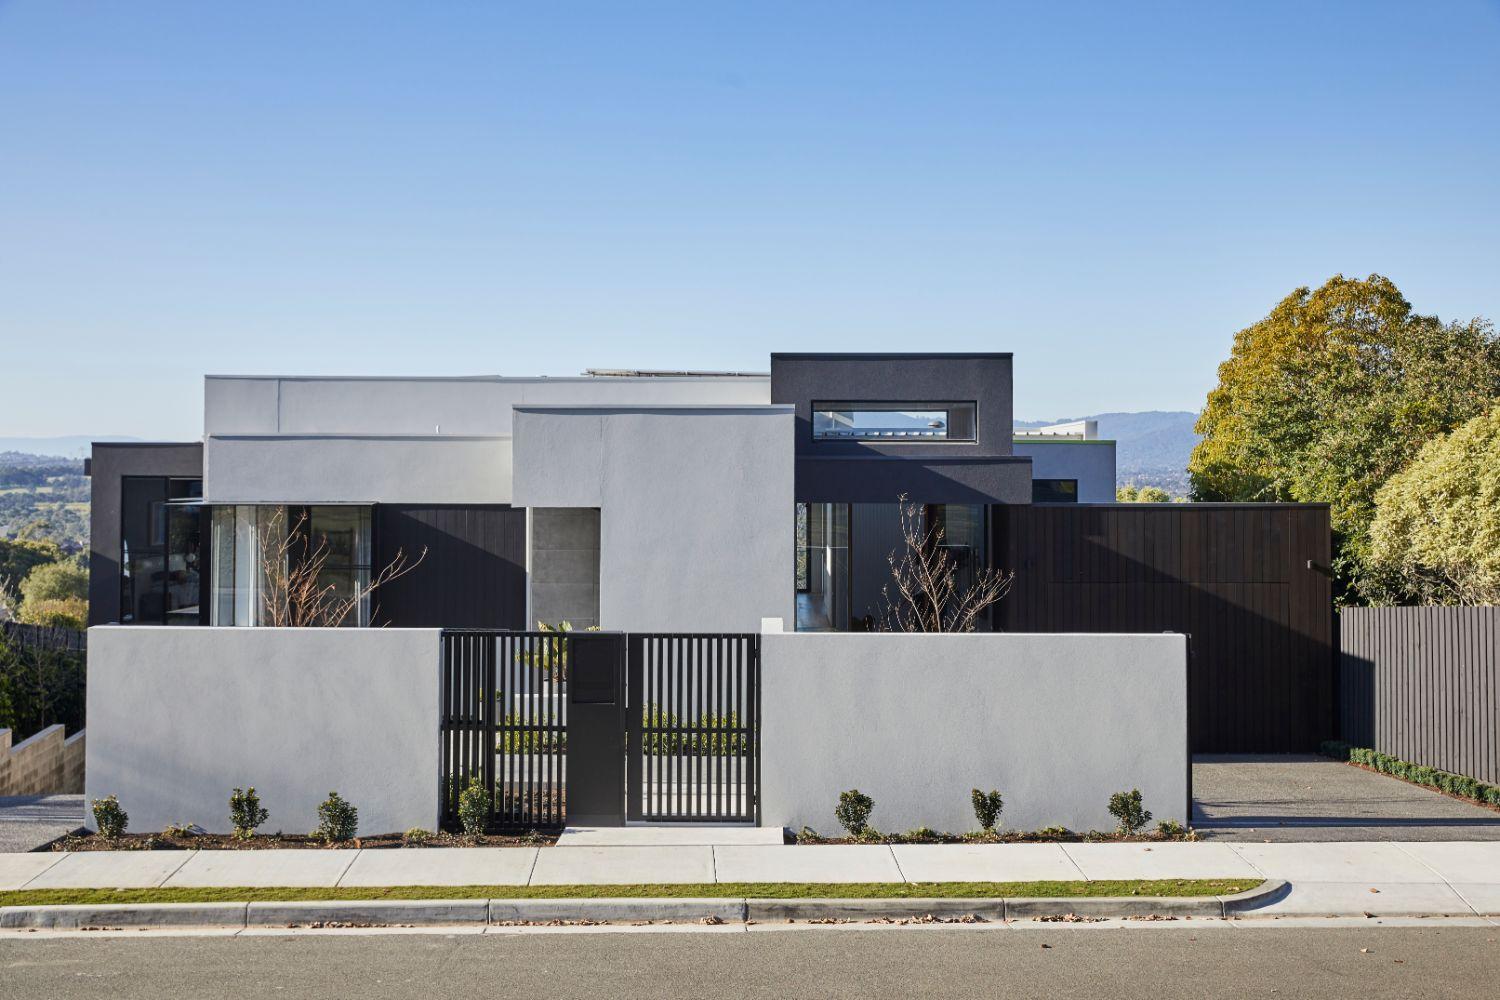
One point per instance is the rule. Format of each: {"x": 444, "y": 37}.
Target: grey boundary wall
{"x": 179, "y": 716}
{"x": 1057, "y": 723}
{"x": 1423, "y": 684}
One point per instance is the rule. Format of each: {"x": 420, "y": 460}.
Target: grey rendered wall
{"x": 395, "y": 440}
{"x": 1092, "y": 463}
{"x": 1055, "y": 722}
{"x": 109, "y": 463}
{"x": 696, "y": 513}
{"x": 1423, "y": 684}
{"x": 178, "y": 717}
{"x": 474, "y": 406}
{"x": 330, "y": 469}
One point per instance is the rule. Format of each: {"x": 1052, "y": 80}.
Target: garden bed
{"x": 1051, "y": 835}
{"x": 187, "y": 840}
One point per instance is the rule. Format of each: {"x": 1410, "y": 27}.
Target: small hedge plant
{"x": 110, "y": 818}
{"x": 853, "y": 811}
{"x": 474, "y": 807}
{"x": 1418, "y": 774}
{"x": 245, "y": 812}
{"x": 1128, "y": 808}
{"x": 338, "y": 821}
{"x": 987, "y": 806}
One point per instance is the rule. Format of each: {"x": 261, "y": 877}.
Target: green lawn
{"x": 763, "y": 890}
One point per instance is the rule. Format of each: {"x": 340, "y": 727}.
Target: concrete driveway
{"x": 29, "y": 821}
{"x": 1294, "y": 797}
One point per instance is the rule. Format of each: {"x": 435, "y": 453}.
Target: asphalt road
{"x": 1159, "y": 963}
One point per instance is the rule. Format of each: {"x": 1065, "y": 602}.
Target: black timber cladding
{"x": 109, "y": 463}
{"x": 474, "y": 574}
{"x": 1247, "y": 583}
{"x": 981, "y": 471}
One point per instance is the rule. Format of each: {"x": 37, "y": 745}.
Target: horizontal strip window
{"x": 926, "y": 421}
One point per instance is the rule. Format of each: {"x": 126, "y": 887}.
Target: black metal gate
{"x": 690, "y": 735}
{"x": 693, "y": 720}
{"x": 504, "y": 723}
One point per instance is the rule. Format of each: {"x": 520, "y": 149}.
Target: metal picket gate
{"x": 689, "y": 726}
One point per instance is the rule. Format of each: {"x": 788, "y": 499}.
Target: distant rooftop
{"x": 1073, "y": 430}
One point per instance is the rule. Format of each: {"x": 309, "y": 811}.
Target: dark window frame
{"x": 896, "y": 406}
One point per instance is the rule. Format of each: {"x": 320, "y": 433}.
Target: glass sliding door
{"x": 845, "y": 551}
{"x": 257, "y": 546}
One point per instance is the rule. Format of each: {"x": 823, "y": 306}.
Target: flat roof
{"x": 889, "y": 355}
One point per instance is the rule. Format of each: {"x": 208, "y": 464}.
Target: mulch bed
{"x": 187, "y": 841}
{"x": 1004, "y": 837}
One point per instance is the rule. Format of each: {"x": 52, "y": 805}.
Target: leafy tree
{"x": 55, "y": 581}
{"x": 19, "y": 557}
{"x": 66, "y": 612}
{"x": 1330, "y": 395}
{"x": 1142, "y": 494}
{"x": 1437, "y": 522}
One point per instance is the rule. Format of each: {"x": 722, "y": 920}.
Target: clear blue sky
{"x": 1108, "y": 190}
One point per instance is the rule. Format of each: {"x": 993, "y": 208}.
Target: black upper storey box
{"x": 936, "y": 427}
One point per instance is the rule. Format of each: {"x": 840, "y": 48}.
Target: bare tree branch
{"x": 925, "y": 575}
{"x": 294, "y": 593}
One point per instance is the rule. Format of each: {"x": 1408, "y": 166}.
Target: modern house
{"x": 705, "y": 502}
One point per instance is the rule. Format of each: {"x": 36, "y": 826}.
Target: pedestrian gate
{"x": 686, "y": 715}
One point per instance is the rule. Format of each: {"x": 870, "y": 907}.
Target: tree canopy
{"x": 1437, "y": 522}
{"x": 1331, "y": 394}
{"x": 1142, "y": 494}
{"x": 56, "y": 581}
{"x": 18, "y": 558}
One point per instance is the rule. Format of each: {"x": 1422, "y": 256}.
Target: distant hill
{"x": 71, "y": 446}
{"x": 1151, "y": 448}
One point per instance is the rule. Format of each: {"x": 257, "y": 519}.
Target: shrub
{"x": 474, "y": 807}
{"x": 245, "y": 812}
{"x": 1053, "y": 832}
{"x": 853, "y": 811}
{"x": 57, "y": 581}
{"x": 1171, "y": 829}
{"x": 1420, "y": 774}
{"x": 807, "y": 835}
{"x": 987, "y": 806}
{"x": 338, "y": 821}
{"x": 1127, "y": 808}
{"x": 416, "y": 836}
{"x": 181, "y": 831}
{"x": 110, "y": 818}
{"x": 921, "y": 835}
{"x": 56, "y": 612}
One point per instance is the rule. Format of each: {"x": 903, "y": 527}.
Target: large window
{"x": 854, "y": 421}
{"x": 844, "y": 556}
{"x": 160, "y": 555}
{"x": 249, "y": 541}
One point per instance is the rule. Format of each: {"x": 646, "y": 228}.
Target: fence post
{"x": 596, "y": 729}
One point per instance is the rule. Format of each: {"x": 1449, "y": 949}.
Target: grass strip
{"x": 763, "y": 890}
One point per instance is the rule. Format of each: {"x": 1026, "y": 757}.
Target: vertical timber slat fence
{"x": 1423, "y": 684}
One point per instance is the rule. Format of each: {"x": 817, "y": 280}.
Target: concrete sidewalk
{"x": 1331, "y": 878}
